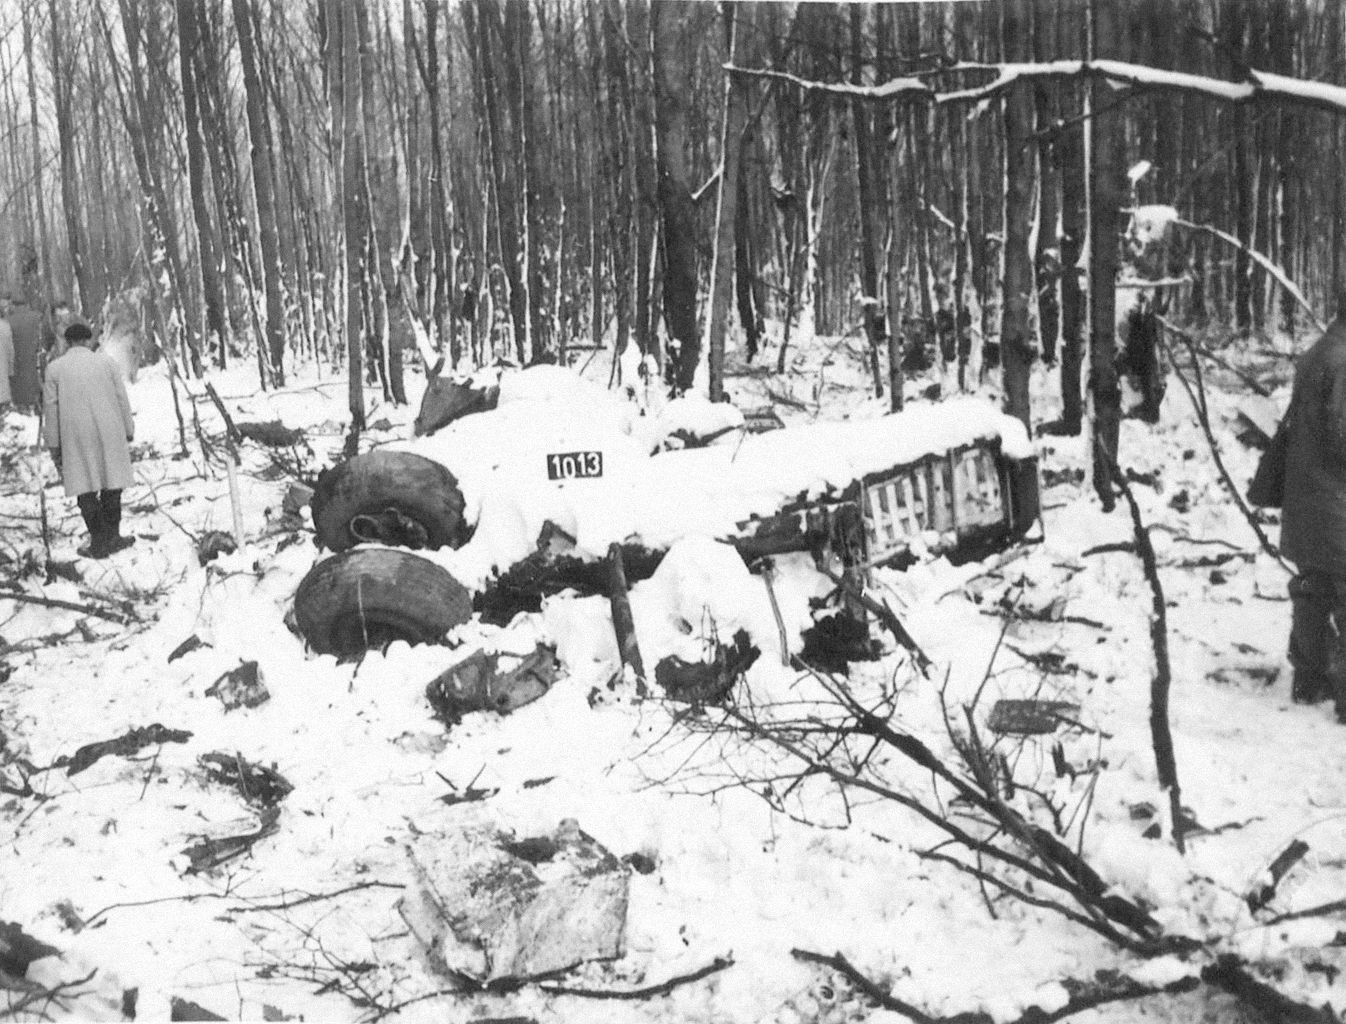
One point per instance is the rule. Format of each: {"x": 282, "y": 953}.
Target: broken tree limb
{"x": 1228, "y": 972}
{"x": 1197, "y": 396}
{"x": 887, "y": 1000}
{"x": 1271, "y": 268}
{"x": 1083, "y": 995}
{"x": 231, "y": 463}
{"x": 1257, "y": 86}
{"x": 1160, "y": 732}
{"x": 623, "y": 622}
{"x": 720, "y": 963}
{"x": 885, "y": 615}
{"x": 1256, "y": 385}
{"x": 1280, "y": 867}
{"x": 55, "y": 602}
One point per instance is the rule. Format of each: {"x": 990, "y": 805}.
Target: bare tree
{"x": 264, "y": 192}
{"x": 741, "y": 26}
{"x": 670, "y": 29}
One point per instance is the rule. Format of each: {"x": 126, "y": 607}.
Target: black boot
{"x": 91, "y": 509}
{"x": 110, "y": 505}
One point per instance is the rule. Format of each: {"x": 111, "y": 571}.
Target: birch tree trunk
{"x": 722, "y": 265}
{"x": 871, "y": 211}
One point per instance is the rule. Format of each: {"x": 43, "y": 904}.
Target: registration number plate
{"x": 574, "y": 465}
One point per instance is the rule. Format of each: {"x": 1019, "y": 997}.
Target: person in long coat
{"x": 1313, "y": 520}
{"x": 87, "y": 426}
{"x": 26, "y": 327}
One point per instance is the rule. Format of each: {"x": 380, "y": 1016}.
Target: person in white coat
{"x": 87, "y": 425}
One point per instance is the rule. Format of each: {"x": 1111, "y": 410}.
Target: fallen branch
{"x": 887, "y": 1000}
{"x": 1229, "y": 973}
{"x": 1198, "y": 399}
{"x": 1160, "y": 732}
{"x": 56, "y": 602}
{"x": 885, "y": 615}
{"x": 1280, "y": 867}
{"x": 1083, "y": 995}
{"x": 312, "y": 897}
{"x": 720, "y": 963}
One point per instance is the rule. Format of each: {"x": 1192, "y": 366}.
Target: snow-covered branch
{"x": 1259, "y": 85}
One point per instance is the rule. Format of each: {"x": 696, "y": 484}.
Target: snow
{"x": 499, "y": 459}
{"x": 732, "y": 876}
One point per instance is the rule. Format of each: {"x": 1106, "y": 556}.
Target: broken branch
{"x": 720, "y": 963}
{"x": 1161, "y": 734}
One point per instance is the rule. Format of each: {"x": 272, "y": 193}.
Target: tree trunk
{"x": 70, "y": 191}
{"x": 1016, "y": 337}
{"x": 722, "y": 264}
{"x": 264, "y": 193}
{"x": 672, "y": 73}
{"x": 207, "y": 252}
{"x": 871, "y": 211}
{"x": 1047, "y": 260}
{"x": 1108, "y": 177}
{"x": 354, "y": 209}
{"x": 43, "y": 298}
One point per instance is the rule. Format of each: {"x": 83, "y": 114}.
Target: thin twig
{"x": 720, "y": 963}
{"x": 313, "y": 897}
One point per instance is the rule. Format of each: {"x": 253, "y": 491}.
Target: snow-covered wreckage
{"x": 540, "y": 482}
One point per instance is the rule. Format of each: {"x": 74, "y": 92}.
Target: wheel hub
{"x": 391, "y": 527}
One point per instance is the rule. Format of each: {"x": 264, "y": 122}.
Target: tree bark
{"x": 207, "y": 252}
{"x": 1108, "y": 178}
{"x": 670, "y": 22}
{"x": 61, "y": 67}
{"x": 264, "y": 193}
{"x": 1047, "y": 259}
{"x": 871, "y": 211}
{"x": 722, "y": 265}
{"x": 1016, "y": 338}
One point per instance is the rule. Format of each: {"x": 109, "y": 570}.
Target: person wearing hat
{"x": 87, "y": 426}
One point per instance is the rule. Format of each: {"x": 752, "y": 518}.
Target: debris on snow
{"x": 240, "y": 687}
{"x": 485, "y": 905}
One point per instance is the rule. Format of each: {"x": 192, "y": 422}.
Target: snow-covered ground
{"x": 93, "y": 863}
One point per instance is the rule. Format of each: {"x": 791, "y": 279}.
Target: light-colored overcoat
{"x": 87, "y": 415}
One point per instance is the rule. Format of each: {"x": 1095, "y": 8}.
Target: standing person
{"x": 6, "y": 360}
{"x": 87, "y": 425}
{"x": 26, "y": 327}
{"x": 1313, "y": 520}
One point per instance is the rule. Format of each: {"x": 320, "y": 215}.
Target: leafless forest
{"x": 278, "y": 181}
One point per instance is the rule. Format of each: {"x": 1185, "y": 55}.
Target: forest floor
{"x": 98, "y": 864}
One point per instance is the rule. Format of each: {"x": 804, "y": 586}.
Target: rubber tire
{"x": 367, "y": 485}
{"x": 362, "y": 600}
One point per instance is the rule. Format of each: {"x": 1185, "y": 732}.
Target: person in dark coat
{"x": 1313, "y": 520}
{"x": 87, "y": 425}
{"x": 26, "y": 328}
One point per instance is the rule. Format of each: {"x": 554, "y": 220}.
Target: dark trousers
{"x": 1318, "y": 638}
{"x": 102, "y": 512}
